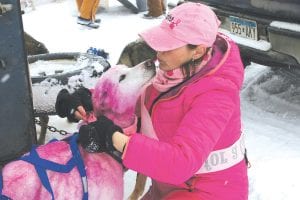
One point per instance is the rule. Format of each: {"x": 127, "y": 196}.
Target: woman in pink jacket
{"x": 194, "y": 105}
{"x": 191, "y": 143}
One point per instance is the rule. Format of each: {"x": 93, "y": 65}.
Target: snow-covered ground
{"x": 270, "y": 105}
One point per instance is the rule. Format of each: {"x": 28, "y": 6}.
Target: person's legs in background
{"x": 94, "y": 11}
{"x": 156, "y": 8}
{"x": 79, "y": 3}
{"x": 164, "y": 6}
{"x": 87, "y": 10}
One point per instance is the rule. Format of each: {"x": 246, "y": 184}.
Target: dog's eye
{"x": 122, "y": 77}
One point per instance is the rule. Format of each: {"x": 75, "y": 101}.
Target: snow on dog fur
{"x": 115, "y": 96}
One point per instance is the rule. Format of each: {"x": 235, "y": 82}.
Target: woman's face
{"x": 169, "y": 60}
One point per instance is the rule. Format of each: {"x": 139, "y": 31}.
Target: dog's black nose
{"x": 150, "y": 63}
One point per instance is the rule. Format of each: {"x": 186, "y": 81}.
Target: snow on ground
{"x": 270, "y": 116}
{"x": 272, "y": 132}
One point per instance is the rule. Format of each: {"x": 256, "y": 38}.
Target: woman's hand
{"x": 98, "y": 136}
{"x": 74, "y": 106}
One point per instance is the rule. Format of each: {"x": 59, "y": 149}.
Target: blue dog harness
{"x": 41, "y": 165}
{"x": 2, "y": 197}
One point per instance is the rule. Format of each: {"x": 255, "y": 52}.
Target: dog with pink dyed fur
{"x": 114, "y": 96}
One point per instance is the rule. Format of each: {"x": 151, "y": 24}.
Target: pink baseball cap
{"x": 188, "y": 23}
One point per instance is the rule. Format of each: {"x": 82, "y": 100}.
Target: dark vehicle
{"x": 267, "y": 31}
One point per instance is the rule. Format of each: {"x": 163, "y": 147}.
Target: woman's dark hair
{"x": 189, "y": 68}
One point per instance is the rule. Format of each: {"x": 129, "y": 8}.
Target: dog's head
{"x": 136, "y": 52}
{"x": 118, "y": 90}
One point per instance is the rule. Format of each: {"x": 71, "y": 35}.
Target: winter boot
{"x": 86, "y": 22}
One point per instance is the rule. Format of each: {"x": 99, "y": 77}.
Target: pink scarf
{"x": 167, "y": 79}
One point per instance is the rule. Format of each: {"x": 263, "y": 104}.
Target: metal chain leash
{"x": 52, "y": 128}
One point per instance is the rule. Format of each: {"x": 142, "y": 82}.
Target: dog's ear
{"x": 135, "y": 53}
{"x": 125, "y": 56}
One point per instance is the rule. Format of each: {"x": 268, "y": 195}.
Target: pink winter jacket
{"x": 201, "y": 116}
